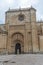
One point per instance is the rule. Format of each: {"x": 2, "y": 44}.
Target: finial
{"x": 31, "y": 6}
{"x": 9, "y": 8}
{"x": 20, "y": 8}
{"x": 41, "y": 19}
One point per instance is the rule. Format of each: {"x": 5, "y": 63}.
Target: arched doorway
{"x": 18, "y": 48}
{"x": 17, "y": 43}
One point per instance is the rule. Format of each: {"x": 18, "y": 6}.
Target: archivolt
{"x": 17, "y": 33}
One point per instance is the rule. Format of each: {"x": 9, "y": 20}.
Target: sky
{"x": 14, "y": 4}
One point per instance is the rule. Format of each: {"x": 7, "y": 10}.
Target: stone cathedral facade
{"x": 21, "y": 33}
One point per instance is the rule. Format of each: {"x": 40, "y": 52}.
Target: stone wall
{"x": 41, "y": 43}
{"x": 3, "y": 43}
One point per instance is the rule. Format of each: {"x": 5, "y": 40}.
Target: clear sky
{"x": 12, "y": 4}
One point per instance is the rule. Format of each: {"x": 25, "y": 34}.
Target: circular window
{"x": 21, "y": 17}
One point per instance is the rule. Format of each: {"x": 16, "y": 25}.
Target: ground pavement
{"x": 22, "y": 59}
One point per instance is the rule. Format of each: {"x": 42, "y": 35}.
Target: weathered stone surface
{"x": 23, "y": 30}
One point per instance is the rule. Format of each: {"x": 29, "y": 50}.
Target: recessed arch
{"x": 17, "y": 38}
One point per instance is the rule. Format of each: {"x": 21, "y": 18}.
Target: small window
{"x": 21, "y": 17}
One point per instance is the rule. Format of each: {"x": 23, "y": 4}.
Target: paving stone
{"x": 22, "y": 59}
